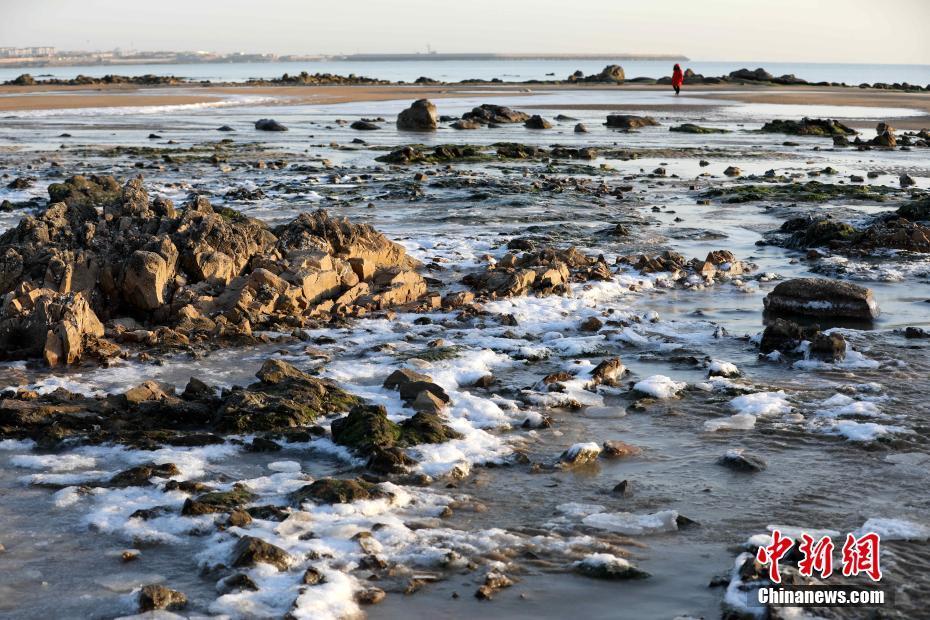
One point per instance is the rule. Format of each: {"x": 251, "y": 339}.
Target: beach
{"x": 521, "y": 350}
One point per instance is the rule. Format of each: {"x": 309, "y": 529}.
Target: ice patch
{"x": 659, "y": 386}
{"x": 632, "y": 524}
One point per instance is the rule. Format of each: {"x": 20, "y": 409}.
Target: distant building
{"x": 26, "y": 52}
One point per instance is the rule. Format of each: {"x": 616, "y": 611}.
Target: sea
{"x": 506, "y": 70}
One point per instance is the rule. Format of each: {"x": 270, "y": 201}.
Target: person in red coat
{"x": 677, "y": 78}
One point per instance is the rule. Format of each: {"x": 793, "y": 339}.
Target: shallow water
{"x": 844, "y": 442}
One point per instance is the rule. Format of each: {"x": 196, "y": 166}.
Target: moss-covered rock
{"x": 916, "y": 210}
{"x": 365, "y": 428}
{"x": 219, "y": 501}
{"x": 80, "y": 191}
{"x": 809, "y": 127}
{"x": 284, "y": 397}
{"x": 811, "y": 191}
{"x": 336, "y": 491}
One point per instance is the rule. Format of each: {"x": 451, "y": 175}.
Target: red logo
{"x": 860, "y": 555}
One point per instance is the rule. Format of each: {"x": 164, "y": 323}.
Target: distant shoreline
{"x": 167, "y": 59}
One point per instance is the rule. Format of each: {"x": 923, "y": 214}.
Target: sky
{"x": 891, "y": 31}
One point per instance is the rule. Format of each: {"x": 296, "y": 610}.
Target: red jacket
{"x": 677, "y": 76}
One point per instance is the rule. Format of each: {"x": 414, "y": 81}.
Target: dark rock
{"x": 820, "y": 297}
{"x": 250, "y": 551}
{"x": 629, "y": 121}
{"x": 364, "y": 126}
{"x": 420, "y": 116}
{"x": 742, "y": 461}
{"x": 537, "y": 122}
{"x": 269, "y": 124}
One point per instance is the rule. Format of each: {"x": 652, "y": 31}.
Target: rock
{"x": 370, "y": 596}
{"x": 236, "y": 583}
{"x": 312, "y": 577}
{"x": 580, "y": 128}
{"x": 619, "y": 450}
{"x": 225, "y": 128}
{"x": 624, "y": 488}
{"x": 840, "y": 140}
{"x": 885, "y": 137}
{"x": 537, "y": 122}
{"x": 402, "y": 376}
{"x": 140, "y": 475}
{"x": 608, "y": 372}
{"x": 145, "y": 277}
{"x": 820, "y": 297}
{"x": 612, "y": 74}
{"x": 591, "y": 324}
{"x": 497, "y": 114}
{"x": 493, "y": 582}
{"x": 580, "y": 454}
{"x": 697, "y": 129}
{"x": 916, "y": 332}
{"x": 250, "y": 551}
{"x": 732, "y": 171}
{"x": 465, "y": 124}
{"x": 906, "y": 181}
{"x": 828, "y": 347}
{"x": 428, "y": 402}
{"x": 268, "y": 124}
{"x": 782, "y": 335}
{"x": 808, "y": 127}
{"x": 154, "y": 597}
{"x": 420, "y": 116}
{"x": 759, "y": 75}
{"x": 364, "y": 126}
{"x": 239, "y": 518}
{"x": 218, "y": 501}
{"x": 607, "y": 566}
{"x": 629, "y": 121}
{"x": 741, "y": 460}
{"x": 410, "y": 390}
{"x": 336, "y": 491}
{"x": 57, "y": 326}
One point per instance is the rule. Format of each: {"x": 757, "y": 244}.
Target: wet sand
{"x": 22, "y": 98}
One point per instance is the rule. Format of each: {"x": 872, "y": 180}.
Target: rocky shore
{"x": 313, "y": 363}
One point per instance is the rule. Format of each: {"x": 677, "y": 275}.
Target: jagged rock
{"x": 420, "y": 116}
{"x": 155, "y": 596}
{"x": 250, "y": 551}
{"x": 608, "y": 372}
{"x": 820, "y": 297}
{"x": 40, "y": 322}
{"x": 629, "y": 121}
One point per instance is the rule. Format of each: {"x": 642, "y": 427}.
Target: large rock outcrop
{"x": 820, "y": 297}
{"x": 106, "y": 252}
{"x": 420, "y": 116}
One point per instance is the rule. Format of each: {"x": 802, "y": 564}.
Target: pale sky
{"x": 868, "y": 31}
